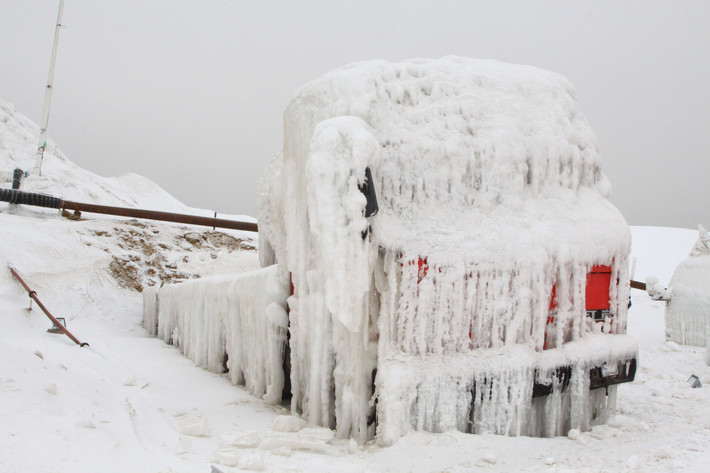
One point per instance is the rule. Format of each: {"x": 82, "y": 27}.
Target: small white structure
{"x": 454, "y": 261}
{"x": 688, "y": 296}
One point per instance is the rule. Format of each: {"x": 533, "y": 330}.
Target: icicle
{"x": 237, "y": 323}
{"x": 490, "y": 197}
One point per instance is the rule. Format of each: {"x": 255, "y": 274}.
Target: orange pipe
{"x": 158, "y": 215}
{"x": 33, "y": 295}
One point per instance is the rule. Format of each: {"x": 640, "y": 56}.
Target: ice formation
{"x": 434, "y": 313}
{"x": 688, "y": 296}
{"x": 235, "y": 323}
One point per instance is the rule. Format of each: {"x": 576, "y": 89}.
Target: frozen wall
{"x": 150, "y": 309}
{"x": 688, "y": 294}
{"x": 490, "y": 193}
{"x": 236, "y": 322}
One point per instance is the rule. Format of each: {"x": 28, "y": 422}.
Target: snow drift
{"x": 63, "y": 178}
{"x": 490, "y": 196}
{"x": 67, "y": 181}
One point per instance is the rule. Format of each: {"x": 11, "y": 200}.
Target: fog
{"x": 191, "y": 94}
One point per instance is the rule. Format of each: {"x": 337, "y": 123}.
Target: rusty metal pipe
{"x": 638, "y": 285}
{"x": 33, "y": 295}
{"x": 157, "y": 215}
{"x": 15, "y": 196}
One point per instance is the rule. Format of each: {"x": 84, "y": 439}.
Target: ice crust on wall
{"x": 242, "y": 317}
{"x": 436, "y": 394}
{"x": 688, "y": 296}
{"x": 490, "y": 193}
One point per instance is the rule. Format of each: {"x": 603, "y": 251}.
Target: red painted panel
{"x": 553, "y": 297}
{"x": 597, "y": 290}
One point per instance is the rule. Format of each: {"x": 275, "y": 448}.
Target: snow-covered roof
{"x": 472, "y": 156}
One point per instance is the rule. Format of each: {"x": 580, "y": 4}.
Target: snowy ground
{"x": 130, "y": 403}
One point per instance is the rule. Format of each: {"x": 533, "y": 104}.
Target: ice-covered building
{"x": 688, "y": 296}
{"x": 454, "y": 262}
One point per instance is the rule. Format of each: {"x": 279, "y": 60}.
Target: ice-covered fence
{"x": 234, "y": 322}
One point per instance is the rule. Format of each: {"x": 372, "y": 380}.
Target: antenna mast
{"x": 48, "y": 96}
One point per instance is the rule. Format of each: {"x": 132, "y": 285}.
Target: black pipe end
{"x": 15, "y": 196}
{"x": 17, "y": 176}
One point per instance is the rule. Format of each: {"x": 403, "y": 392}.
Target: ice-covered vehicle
{"x": 454, "y": 260}
{"x": 439, "y": 254}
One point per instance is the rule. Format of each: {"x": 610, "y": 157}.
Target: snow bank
{"x": 688, "y": 296}
{"x": 235, "y": 323}
{"x": 490, "y": 194}
{"x": 64, "y": 179}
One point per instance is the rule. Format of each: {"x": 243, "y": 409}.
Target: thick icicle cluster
{"x": 490, "y": 194}
{"x": 489, "y": 390}
{"x": 235, "y": 323}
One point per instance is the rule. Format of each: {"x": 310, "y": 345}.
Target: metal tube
{"x": 17, "y": 175}
{"x": 157, "y": 215}
{"x": 33, "y": 295}
{"x": 48, "y": 95}
{"x": 15, "y": 196}
{"x": 638, "y": 285}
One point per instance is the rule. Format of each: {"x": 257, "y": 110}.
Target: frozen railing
{"x": 236, "y": 323}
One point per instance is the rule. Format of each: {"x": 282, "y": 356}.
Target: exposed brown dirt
{"x": 140, "y": 257}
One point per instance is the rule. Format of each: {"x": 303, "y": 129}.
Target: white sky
{"x": 191, "y": 93}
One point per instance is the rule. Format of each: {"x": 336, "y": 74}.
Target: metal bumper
{"x": 599, "y": 377}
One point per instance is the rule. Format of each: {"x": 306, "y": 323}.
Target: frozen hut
{"x": 483, "y": 285}
{"x": 439, "y": 254}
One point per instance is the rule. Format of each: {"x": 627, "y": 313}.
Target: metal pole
{"x": 157, "y": 215}
{"x": 33, "y": 295}
{"x": 48, "y": 96}
{"x": 638, "y": 285}
{"x": 15, "y": 196}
